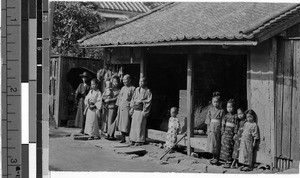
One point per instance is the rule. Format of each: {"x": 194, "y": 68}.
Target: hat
{"x": 84, "y": 74}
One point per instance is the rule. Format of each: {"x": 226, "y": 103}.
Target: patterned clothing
{"x": 250, "y": 133}
{"x": 107, "y": 94}
{"x": 112, "y": 114}
{"x": 228, "y": 131}
{"x": 91, "y": 123}
{"x": 80, "y": 95}
{"x": 173, "y": 130}
{"x": 123, "y": 120}
{"x": 213, "y": 121}
{"x": 237, "y": 140}
{"x": 141, "y": 103}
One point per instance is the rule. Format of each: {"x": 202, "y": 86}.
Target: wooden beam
{"x": 142, "y": 64}
{"x": 273, "y": 59}
{"x": 190, "y": 98}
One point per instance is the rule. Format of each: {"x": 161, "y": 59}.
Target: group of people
{"x": 232, "y": 137}
{"x": 124, "y": 109}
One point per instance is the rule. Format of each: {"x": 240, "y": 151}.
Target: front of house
{"x": 247, "y": 51}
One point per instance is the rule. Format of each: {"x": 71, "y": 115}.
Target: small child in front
{"x": 173, "y": 128}
{"x": 107, "y": 94}
{"x": 237, "y": 137}
{"x": 213, "y": 121}
{"x": 250, "y": 136}
{"x": 228, "y": 129}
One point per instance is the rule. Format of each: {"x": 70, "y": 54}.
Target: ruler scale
{"x": 11, "y": 88}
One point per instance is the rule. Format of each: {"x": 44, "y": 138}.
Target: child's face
{"x": 84, "y": 79}
{"x": 93, "y": 85}
{"x": 215, "y": 102}
{"x": 250, "y": 118}
{"x": 142, "y": 82}
{"x": 115, "y": 82}
{"x": 108, "y": 84}
{"x": 240, "y": 114}
{"x": 173, "y": 113}
{"x": 230, "y": 107}
{"x": 126, "y": 81}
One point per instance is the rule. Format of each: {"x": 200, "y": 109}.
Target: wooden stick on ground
{"x": 184, "y": 135}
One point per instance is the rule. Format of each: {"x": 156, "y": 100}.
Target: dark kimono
{"x": 228, "y": 130}
{"x": 237, "y": 140}
{"x": 80, "y": 95}
{"x": 213, "y": 120}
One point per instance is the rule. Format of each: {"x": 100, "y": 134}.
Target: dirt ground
{"x": 67, "y": 154}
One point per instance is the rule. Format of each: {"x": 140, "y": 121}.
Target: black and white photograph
{"x": 174, "y": 87}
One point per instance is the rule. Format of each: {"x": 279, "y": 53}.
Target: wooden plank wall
{"x": 295, "y": 103}
{"x": 261, "y": 92}
{"x": 287, "y": 99}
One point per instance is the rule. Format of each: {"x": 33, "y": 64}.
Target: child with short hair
{"x": 107, "y": 94}
{"x": 173, "y": 128}
{"x": 93, "y": 103}
{"x": 250, "y": 137}
{"x": 237, "y": 137}
{"x": 213, "y": 121}
{"x": 228, "y": 129}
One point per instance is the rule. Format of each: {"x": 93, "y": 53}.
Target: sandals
{"x": 246, "y": 169}
{"x": 138, "y": 144}
{"x": 227, "y": 165}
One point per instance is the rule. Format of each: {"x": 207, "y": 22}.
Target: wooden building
{"x": 247, "y": 51}
{"x": 64, "y": 80}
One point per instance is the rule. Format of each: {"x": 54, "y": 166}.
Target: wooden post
{"x": 142, "y": 65}
{"x": 190, "y": 106}
{"x": 57, "y": 111}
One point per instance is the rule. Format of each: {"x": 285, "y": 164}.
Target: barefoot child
{"x": 93, "y": 103}
{"x": 173, "y": 128}
{"x": 213, "y": 121}
{"x": 237, "y": 137}
{"x": 228, "y": 128}
{"x": 249, "y": 139}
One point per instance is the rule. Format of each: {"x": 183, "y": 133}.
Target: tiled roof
{"x": 138, "y": 7}
{"x": 191, "y": 21}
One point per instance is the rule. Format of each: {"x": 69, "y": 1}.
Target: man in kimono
{"x": 123, "y": 120}
{"x": 140, "y": 109}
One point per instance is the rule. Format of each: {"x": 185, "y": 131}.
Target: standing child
{"x": 173, "y": 128}
{"x": 107, "y": 94}
{"x": 93, "y": 103}
{"x": 249, "y": 139}
{"x": 228, "y": 128}
{"x": 237, "y": 137}
{"x": 213, "y": 121}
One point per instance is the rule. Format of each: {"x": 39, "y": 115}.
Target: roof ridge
{"x": 276, "y": 14}
{"x": 126, "y": 22}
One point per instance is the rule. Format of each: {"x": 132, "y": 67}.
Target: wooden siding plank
{"x": 287, "y": 99}
{"x": 278, "y": 99}
{"x": 296, "y": 100}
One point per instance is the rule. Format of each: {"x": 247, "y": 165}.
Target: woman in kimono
{"x": 228, "y": 131}
{"x": 250, "y": 137}
{"x": 123, "y": 120}
{"x": 80, "y": 94}
{"x": 112, "y": 108}
{"x": 140, "y": 109}
{"x": 213, "y": 121}
{"x": 93, "y": 102}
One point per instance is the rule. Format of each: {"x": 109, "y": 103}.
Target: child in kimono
{"x": 250, "y": 137}
{"x": 173, "y": 129}
{"x": 213, "y": 121}
{"x": 107, "y": 94}
{"x": 228, "y": 131}
{"x": 237, "y": 137}
{"x": 93, "y": 103}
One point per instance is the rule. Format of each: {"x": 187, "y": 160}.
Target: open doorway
{"x": 166, "y": 75}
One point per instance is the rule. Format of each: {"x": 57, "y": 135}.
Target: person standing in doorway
{"x": 140, "y": 109}
{"x": 80, "y": 94}
{"x": 213, "y": 121}
{"x": 123, "y": 120}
